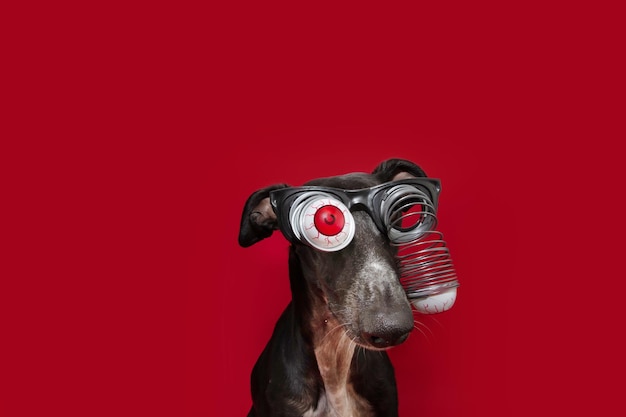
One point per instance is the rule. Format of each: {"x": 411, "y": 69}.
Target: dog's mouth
{"x": 374, "y": 342}
{"x": 380, "y": 334}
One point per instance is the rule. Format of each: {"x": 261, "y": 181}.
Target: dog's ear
{"x": 397, "y": 169}
{"x": 258, "y": 220}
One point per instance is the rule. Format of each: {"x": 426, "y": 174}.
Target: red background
{"x": 133, "y": 133}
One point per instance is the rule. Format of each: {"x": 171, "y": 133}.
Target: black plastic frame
{"x": 366, "y": 199}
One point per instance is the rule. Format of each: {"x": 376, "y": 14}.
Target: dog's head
{"x": 342, "y": 230}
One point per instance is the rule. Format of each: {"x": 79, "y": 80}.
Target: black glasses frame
{"x": 367, "y": 199}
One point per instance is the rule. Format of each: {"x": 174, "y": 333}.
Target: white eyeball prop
{"x": 437, "y": 303}
{"x": 322, "y": 221}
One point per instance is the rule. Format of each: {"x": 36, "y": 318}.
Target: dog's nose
{"x": 383, "y": 340}
{"x": 388, "y": 330}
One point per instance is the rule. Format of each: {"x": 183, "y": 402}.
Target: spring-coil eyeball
{"x": 407, "y": 213}
{"x": 437, "y": 303}
{"x": 322, "y": 221}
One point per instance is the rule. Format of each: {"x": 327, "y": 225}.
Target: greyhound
{"x": 345, "y": 303}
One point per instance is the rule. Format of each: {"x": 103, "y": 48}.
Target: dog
{"x": 345, "y": 304}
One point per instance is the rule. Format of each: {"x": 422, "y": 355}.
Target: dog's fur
{"x": 319, "y": 360}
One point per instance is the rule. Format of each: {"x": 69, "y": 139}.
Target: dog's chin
{"x": 361, "y": 343}
{"x": 356, "y": 336}
{"x": 377, "y": 340}
{"x": 360, "y": 336}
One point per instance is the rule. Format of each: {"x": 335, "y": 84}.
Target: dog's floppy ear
{"x": 397, "y": 169}
{"x": 258, "y": 220}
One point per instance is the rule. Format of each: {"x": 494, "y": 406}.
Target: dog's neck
{"x": 332, "y": 347}
{"x": 334, "y": 351}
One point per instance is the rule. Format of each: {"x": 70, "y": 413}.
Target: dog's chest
{"x": 341, "y": 403}
{"x": 339, "y": 399}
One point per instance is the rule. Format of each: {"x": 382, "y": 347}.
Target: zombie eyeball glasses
{"x": 404, "y": 210}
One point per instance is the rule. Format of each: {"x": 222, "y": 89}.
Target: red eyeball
{"x": 329, "y": 220}
{"x": 322, "y": 221}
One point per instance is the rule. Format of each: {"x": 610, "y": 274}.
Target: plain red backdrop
{"x": 134, "y": 132}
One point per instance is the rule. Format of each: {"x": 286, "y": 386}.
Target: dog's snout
{"x": 385, "y": 317}
{"x": 384, "y": 340}
{"x": 387, "y": 330}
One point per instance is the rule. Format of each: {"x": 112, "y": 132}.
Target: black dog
{"x": 344, "y": 303}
